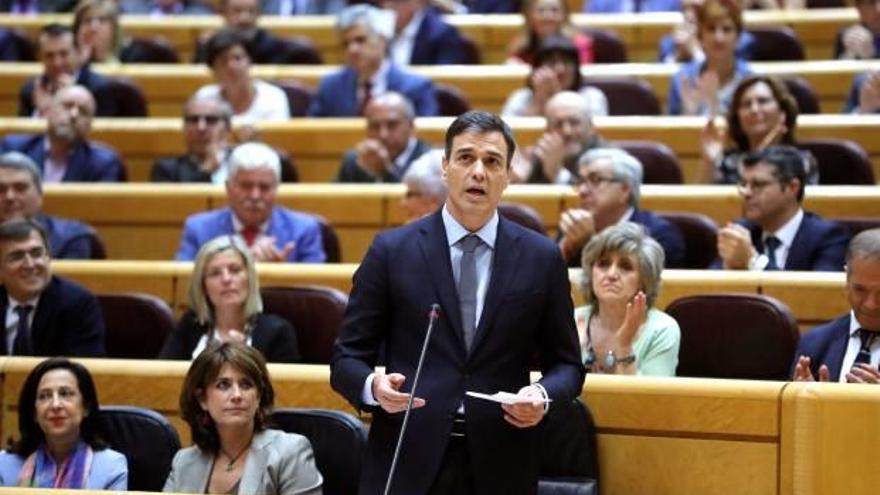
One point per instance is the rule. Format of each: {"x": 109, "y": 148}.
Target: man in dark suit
{"x": 503, "y": 293}
{"x": 608, "y": 184}
{"x": 64, "y": 153}
{"x": 422, "y": 37}
{"x": 21, "y": 197}
{"x": 847, "y": 349}
{"x": 62, "y": 67}
{"x": 775, "y": 232}
{"x": 206, "y": 126}
{"x": 364, "y": 32}
{"x": 862, "y": 40}
{"x": 391, "y": 145}
{"x": 44, "y": 315}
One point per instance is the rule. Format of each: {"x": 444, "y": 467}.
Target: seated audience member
{"x": 36, "y": 7}
{"x": 422, "y": 37}
{"x": 98, "y": 34}
{"x": 302, "y": 7}
{"x": 206, "y": 129}
{"x": 705, "y": 87}
{"x": 62, "y": 67}
{"x": 252, "y": 100}
{"x": 59, "y": 420}
{"x": 21, "y": 198}
{"x": 391, "y": 144}
{"x": 226, "y": 400}
{"x": 425, "y": 187}
{"x": 364, "y": 32}
{"x": 64, "y": 153}
{"x": 846, "y": 350}
{"x": 545, "y": 18}
{"x": 225, "y": 305}
{"x": 624, "y": 6}
{"x": 569, "y": 132}
{"x": 683, "y": 45}
{"x": 864, "y": 96}
{"x": 775, "y": 232}
{"x": 762, "y": 113}
{"x": 620, "y": 330}
{"x": 45, "y": 315}
{"x": 608, "y": 182}
{"x": 12, "y": 49}
{"x": 162, "y": 8}
{"x": 555, "y": 68}
{"x": 272, "y": 233}
{"x": 862, "y": 40}
{"x": 243, "y": 16}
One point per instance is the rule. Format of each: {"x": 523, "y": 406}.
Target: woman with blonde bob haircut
{"x": 226, "y": 400}
{"x": 619, "y": 329}
{"x": 97, "y": 31}
{"x": 225, "y": 305}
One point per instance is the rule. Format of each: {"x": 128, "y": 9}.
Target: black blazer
{"x": 67, "y": 321}
{"x": 178, "y": 169}
{"x": 272, "y": 335}
{"x": 98, "y": 85}
{"x": 350, "y": 172}
{"x": 825, "y": 344}
{"x": 527, "y": 313}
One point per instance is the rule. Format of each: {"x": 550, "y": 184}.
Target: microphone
{"x": 433, "y": 316}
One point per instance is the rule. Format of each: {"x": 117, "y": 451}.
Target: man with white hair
{"x": 273, "y": 233}
{"x": 364, "y": 32}
{"x": 425, "y": 189}
{"x": 608, "y": 182}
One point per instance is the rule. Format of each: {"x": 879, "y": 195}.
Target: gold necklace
{"x": 232, "y": 460}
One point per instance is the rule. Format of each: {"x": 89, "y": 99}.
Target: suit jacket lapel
{"x": 195, "y": 471}
{"x": 43, "y": 314}
{"x": 796, "y": 259}
{"x": 255, "y": 466}
{"x": 503, "y": 263}
{"x": 435, "y": 252}
{"x": 837, "y": 349}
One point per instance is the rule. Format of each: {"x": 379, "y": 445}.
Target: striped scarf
{"x": 40, "y": 471}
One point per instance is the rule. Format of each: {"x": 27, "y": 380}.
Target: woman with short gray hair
{"x": 619, "y": 329}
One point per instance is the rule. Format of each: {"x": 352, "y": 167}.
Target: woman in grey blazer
{"x": 226, "y": 399}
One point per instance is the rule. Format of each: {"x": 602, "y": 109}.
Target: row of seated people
{"x": 703, "y": 86}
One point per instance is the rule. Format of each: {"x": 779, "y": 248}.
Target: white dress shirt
{"x": 786, "y": 235}
{"x": 12, "y": 319}
{"x": 401, "y": 47}
{"x": 854, "y": 346}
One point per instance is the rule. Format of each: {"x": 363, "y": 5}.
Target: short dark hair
{"x": 55, "y": 30}
{"x": 556, "y": 44}
{"x": 223, "y": 40}
{"x": 31, "y": 434}
{"x": 787, "y": 104}
{"x": 480, "y": 122}
{"x": 18, "y": 161}
{"x": 19, "y": 230}
{"x": 787, "y": 163}
{"x": 204, "y": 370}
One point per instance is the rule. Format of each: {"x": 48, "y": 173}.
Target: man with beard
{"x": 64, "y": 153}
{"x": 272, "y": 233}
{"x": 569, "y": 132}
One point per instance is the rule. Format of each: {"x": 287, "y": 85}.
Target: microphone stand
{"x": 432, "y": 318}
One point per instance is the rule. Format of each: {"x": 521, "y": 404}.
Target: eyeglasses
{"x": 594, "y": 180}
{"x": 18, "y": 256}
{"x": 209, "y": 119}
{"x": 756, "y": 186}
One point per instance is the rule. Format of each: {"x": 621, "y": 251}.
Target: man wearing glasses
{"x": 44, "y": 315}
{"x": 608, "y": 182}
{"x": 206, "y": 126}
{"x": 775, "y": 232}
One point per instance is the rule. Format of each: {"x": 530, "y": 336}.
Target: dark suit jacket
{"x": 98, "y": 85}
{"x": 825, "y": 344}
{"x": 494, "y": 6}
{"x": 438, "y": 43}
{"x": 350, "y": 172}
{"x": 89, "y": 162}
{"x": 68, "y": 239}
{"x": 67, "y": 321}
{"x": 664, "y": 233}
{"x": 266, "y": 48}
{"x": 178, "y": 169}
{"x": 818, "y": 246}
{"x": 527, "y": 311}
{"x": 44, "y": 6}
{"x": 337, "y": 93}
{"x": 271, "y": 335}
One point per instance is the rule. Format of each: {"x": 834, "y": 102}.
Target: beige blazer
{"x": 278, "y": 463}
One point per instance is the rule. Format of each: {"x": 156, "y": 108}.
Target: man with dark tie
{"x": 273, "y": 233}
{"x": 847, "y": 349}
{"x": 504, "y": 299}
{"x": 776, "y": 233}
{"x": 45, "y": 315}
{"x": 364, "y": 32}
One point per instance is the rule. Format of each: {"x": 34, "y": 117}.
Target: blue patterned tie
{"x": 867, "y": 338}
{"x": 772, "y": 244}
{"x": 467, "y": 287}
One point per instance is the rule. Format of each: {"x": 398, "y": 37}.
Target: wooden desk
{"x": 317, "y": 145}
{"x": 640, "y": 33}
{"x": 167, "y": 87}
